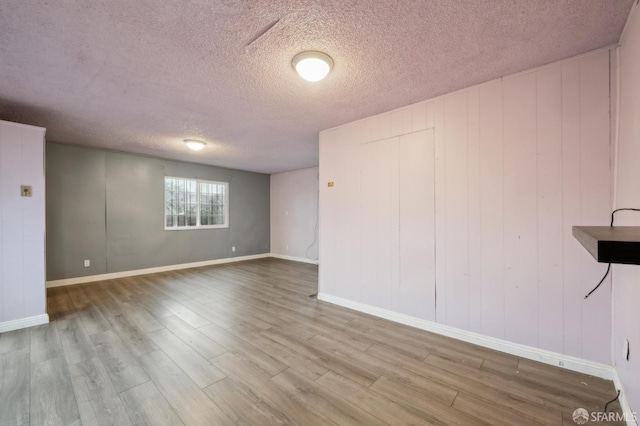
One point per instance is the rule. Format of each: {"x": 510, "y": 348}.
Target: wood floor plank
{"x": 240, "y": 315}
{"x": 136, "y": 341}
{"x": 79, "y": 296}
{"x": 414, "y": 400}
{"x": 186, "y": 398}
{"x": 123, "y": 368}
{"x": 370, "y": 401}
{"x": 444, "y": 346}
{"x": 314, "y": 327}
{"x": 146, "y": 406}
{"x": 201, "y": 371}
{"x": 258, "y": 384}
{"x": 442, "y": 392}
{"x": 241, "y": 407}
{"x": 98, "y": 401}
{"x": 142, "y": 318}
{"x": 14, "y": 387}
{"x": 52, "y": 399}
{"x": 344, "y": 366}
{"x": 244, "y": 350}
{"x": 185, "y": 314}
{"x": 193, "y": 337}
{"x": 45, "y": 343}
{"x": 151, "y": 302}
{"x": 76, "y": 343}
{"x": 561, "y": 377}
{"x": 93, "y": 319}
{"x": 15, "y": 340}
{"x": 59, "y": 304}
{"x": 496, "y": 415}
{"x": 209, "y": 314}
{"x": 495, "y": 395}
{"x": 337, "y": 409}
{"x": 282, "y": 353}
{"x": 532, "y": 398}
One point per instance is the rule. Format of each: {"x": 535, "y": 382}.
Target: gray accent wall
{"x": 108, "y": 207}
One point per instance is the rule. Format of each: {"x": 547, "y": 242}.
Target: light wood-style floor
{"x": 245, "y": 344}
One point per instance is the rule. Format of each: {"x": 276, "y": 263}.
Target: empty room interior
{"x": 294, "y": 212}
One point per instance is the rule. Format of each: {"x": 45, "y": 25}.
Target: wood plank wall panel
{"x": 455, "y": 199}
{"x": 375, "y": 221}
{"x": 328, "y": 212}
{"x": 520, "y": 210}
{"x": 549, "y": 211}
{"x": 473, "y": 211}
{"x": 33, "y": 222}
{"x": 440, "y": 208}
{"x": 517, "y": 162}
{"x": 416, "y": 278}
{"x": 571, "y": 176}
{"x": 350, "y": 211}
{"x": 22, "y": 278}
{"x": 595, "y": 191}
{"x": 491, "y": 211}
{"x": 13, "y": 243}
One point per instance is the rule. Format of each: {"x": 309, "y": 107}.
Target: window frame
{"x": 198, "y": 225}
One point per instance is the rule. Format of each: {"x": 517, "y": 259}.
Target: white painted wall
{"x": 626, "y": 278}
{"x": 294, "y": 213}
{"x": 22, "y": 219}
{"x": 501, "y": 172}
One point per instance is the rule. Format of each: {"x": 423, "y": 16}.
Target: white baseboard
{"x": 23, "y": 323}
{"x": 114, "y": 275}
{"x": 565, "y": 361}
{"x": 295, "y": 259}
{"x": 624, "y": 402}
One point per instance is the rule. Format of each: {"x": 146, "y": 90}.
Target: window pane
{"x": 180, "y": 201}
{"x": 212, "y": 203}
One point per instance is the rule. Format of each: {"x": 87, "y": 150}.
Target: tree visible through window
{"x": 191, "y": 203}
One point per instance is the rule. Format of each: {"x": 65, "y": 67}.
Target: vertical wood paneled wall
{"x": 22, "y": 264}
{"x": 513, "y": 164}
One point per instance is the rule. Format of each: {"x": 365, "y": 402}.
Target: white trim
{"x": 547, "y": 357}
{"x": 23, "y": 323}
{"x": 114, "y": 275}
{"x": 295, "y": 259}
{"x": 624, "y": 403}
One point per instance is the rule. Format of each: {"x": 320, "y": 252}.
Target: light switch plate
{"x": 25, "y": 190}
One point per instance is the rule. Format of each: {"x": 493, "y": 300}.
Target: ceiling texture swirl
{"x": 141, "y": 76}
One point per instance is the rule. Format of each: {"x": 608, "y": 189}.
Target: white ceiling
{"x": 141, "y": 76}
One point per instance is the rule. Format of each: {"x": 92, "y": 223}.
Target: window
{"x": 193, "y": 204}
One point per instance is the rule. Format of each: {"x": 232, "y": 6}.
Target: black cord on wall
{"x": 613, "y": 213}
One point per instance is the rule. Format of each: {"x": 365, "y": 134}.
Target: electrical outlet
{"x": 25, "y": 190}
{"x": 87, "y": 263}
{"x": 233, "y": 248}
{"x": 626, "y": 349}
{"x": 286, "y": 248}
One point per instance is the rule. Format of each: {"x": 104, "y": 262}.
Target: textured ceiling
{"x": 141, "y": 76}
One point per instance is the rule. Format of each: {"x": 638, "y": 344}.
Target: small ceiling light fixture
{"x": 312, "y": 66}
{"x": 194, "y": 144}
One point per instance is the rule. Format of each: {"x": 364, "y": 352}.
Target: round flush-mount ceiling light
{"x": 312, "y": 66}
{"x": 194, "y": 144}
